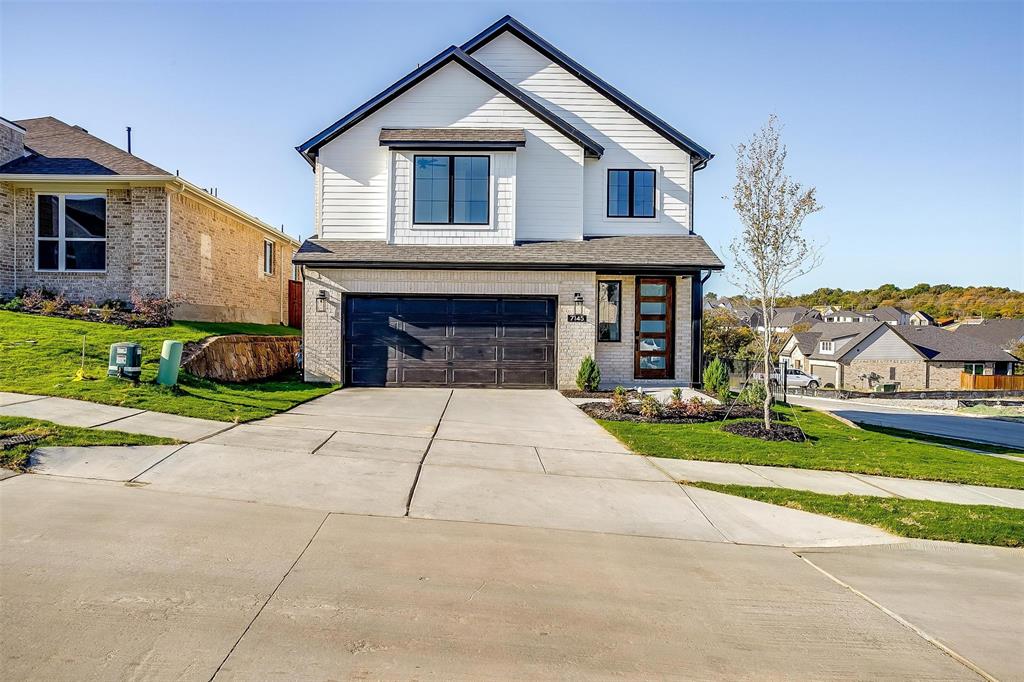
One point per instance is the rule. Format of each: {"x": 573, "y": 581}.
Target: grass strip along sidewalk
{"x": 40, "y": 355}
{"x": 52, "y": 435}
{"x": 832, "y": 446}
{"x": 976, "y": 524}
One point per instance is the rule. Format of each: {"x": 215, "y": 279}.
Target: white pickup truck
{"x": 794, "y": 377}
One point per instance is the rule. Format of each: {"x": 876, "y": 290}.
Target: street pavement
{"x": 978, "y": 429}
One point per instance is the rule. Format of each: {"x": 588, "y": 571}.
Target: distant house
{"x": 919, "y": 318}
{"x": 840, "y": 315}
{"x": 86, "y": 219}
{"x": 1005, "y": 333}
{"x": 891, "y": 315}
{"x": 785, "y": 319}
{"x": 861, "y": 355}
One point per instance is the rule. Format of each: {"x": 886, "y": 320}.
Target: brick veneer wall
{"x": 946, "y": 375}
{"x": 217, "y": 265}
{"x": 911, "y": 374}
{"x": 6, "y": 239}
{"x": 322, "y": 332}
{"x": 135, "y": 249}
{"x": 12, "y": 143}
{"x": 616, "y": 359}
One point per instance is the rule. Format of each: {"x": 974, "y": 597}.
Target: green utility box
{"x": 125, "y": 361}
{"x": 170, "y": 359}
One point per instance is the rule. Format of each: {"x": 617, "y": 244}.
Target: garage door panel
{"x": 450, "y": 341}
{"x": 487, "y": 353}
{"x": 475, "y": 330}
{"x": 475, "y": 377}
{"x": 475, "y": 307}
{"x": 525, "y": 377}
{"x": 527, "y": 353}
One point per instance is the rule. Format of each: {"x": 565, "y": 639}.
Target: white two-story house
{"x": 494, "y": 217}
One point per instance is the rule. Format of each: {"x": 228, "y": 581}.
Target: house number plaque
{"x": 577, "y": 318}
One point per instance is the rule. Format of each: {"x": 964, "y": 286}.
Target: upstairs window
{"x": 451, "y": 190}
{"x": 268, "y": 257}
{"x": 630, "y": 194}
{"x": 71, "y": 232}
{"x": 826, "y": 346}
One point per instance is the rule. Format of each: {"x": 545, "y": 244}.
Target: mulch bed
{"x": 575, "y": 393}
{"x": 779, "y": 432}
{"x": 670, "y": 415}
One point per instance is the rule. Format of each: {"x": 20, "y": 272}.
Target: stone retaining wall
{"x": 239, "y": 358}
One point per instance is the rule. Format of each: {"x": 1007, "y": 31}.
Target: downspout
{"x": 14, "y": 238}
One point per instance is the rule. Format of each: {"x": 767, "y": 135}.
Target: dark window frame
{"x": 61, "y": 239}
{"x": 618, "y": 311}
{"x": 451, "y": 189}
{"x": 632, "y": 185}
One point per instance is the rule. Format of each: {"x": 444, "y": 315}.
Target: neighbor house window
{"x": 71, "y": 232}
{"x": 826, "y": 346}
{"x": 268, "y": 257}
{"x": 974, "y": 368}
{"x": 630, "y": 194}
{"x": 451, "y": 190}
{"x": 609, "y": 311}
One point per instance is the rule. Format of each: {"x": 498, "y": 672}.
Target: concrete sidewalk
{"x": 837, "y": 482}
{"x": 109, "y": 417}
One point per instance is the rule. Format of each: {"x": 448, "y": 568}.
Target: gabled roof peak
{"x": 453, "y": 53}
{"x": 521, "y": 31}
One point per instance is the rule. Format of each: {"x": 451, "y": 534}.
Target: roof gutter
{"x": 47, "y": 177}
{"x": 606, "y": 268}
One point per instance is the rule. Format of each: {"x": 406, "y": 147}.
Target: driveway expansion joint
{"x": 963, "y": 660}
{"x": 419, "y": 467}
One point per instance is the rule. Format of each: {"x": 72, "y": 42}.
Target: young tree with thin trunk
{"x": 771, "y": 251}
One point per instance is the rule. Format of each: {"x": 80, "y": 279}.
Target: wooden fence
{"x": 991, "y": 382}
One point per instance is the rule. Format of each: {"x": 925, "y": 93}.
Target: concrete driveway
{"x": 977, "y": 429}
{"x": 526, "y": 458}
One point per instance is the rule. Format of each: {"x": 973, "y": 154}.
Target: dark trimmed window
{"x": 609, "y": 310}
{"x": 71, "y": 232}
{"x": 630, "y": 194}
{"x": 451, "y": 190}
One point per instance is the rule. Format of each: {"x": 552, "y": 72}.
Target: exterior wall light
{"x": 321, "y": 301}
{"x": 577, "y": 303}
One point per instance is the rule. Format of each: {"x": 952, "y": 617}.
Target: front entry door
{"x": 654, "y": 333}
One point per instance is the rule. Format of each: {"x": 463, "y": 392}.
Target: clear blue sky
{"x": 906, "y": 116}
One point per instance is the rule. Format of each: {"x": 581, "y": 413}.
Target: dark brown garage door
{"x": 450, "y": 341}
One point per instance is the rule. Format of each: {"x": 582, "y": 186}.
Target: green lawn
{"x": 55, "y": 434}
{"x": 978, "y": 524}
{"x": 833, "y": 446}
{"x": 42, "y": 354}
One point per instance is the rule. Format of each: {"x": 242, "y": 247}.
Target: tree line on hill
{"x": 938, "y": 300}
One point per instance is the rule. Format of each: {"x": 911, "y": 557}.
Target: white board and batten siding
{"x": 882, "y": 344}
{"x": 540, "y": 194}
{"x": 627, "y": 141}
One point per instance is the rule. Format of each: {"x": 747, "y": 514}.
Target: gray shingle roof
{"x": 943, "y": 345}
{"x": 62, "y": 149}
{"x": 787, "y": 317}
{"x": 462, "y": 135}
{"x": 888, "y": 313}
{"x": 1003, "y": 333}
{"x": 667, "y": 253}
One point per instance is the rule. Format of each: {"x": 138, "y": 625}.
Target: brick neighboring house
{"x": 494, "y": 217}
{"x": 84, "y": 218}
{"x": 1007, "y": 333}
{"x": 860, "y": 355}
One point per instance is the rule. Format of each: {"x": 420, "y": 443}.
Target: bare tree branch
{"x": 771, "y": 251}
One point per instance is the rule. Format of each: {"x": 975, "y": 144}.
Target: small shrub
{"x": 620, "y": 401}
{"x": 152, "y": 312}
{"x": 51, "y": 306}
{"x": 724, "y": 395}
{"x": 77, "y": 311}
{"x": 31, "y": 300}
{"x": 650, "y": 407}
{"x": 677, "y": 396}
{"x": 716, "y": 377}
{"x": 753, "y": 394}
{"x": 695, "y": 407}
{"x": 106, "y": 314}
{"x": 14, "y": 305}
{"x": 588, "y": 378}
